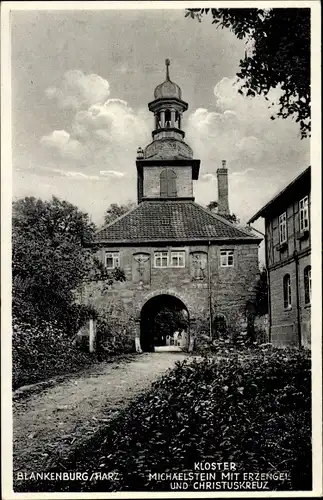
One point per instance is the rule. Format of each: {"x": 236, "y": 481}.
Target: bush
{"x": 114, "y": 335}
{"x": 254, "y": 410}
{"x": 41, "y": 351}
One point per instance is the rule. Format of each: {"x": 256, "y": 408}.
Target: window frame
{"x": 287, "y": 292}
{"x": 173, "y": 254}
{"x": 226, "y": 254}
{"x": 157, "y": 255}
{"x": 282, "y": 225}
{"x": 308, "y": 285}
{"x": 115, "y": 255}
{"x": 303, "y": 214}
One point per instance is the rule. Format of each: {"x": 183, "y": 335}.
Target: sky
{"x": 81, "y": 83}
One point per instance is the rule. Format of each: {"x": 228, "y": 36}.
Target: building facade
{"x": 174, "y": 252}
{"x": 288, "y": 256}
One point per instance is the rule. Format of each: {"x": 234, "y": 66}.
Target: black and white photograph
{"x": 161, "y": 215}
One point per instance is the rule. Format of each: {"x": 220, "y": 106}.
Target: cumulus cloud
{"x": 78, "y": 90}
{"x": 103, "y": 133}
{"x": 241, "y": 131}
{"x": 101, "y": 141}
{"x": 257, "y": 149}
{"x": 61, "y": 144}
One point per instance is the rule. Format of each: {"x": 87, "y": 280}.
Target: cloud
{"x": 62, "y": 145}
{"x": 75, "y": 175}
{"x": 111, "y": 173}
{"x": 103, "y": 132}
{"x": 78, "y": 90}
{"x": 257, "y": 149}
{"x": 102, "y": 138}
{"x": 244, "y": 172}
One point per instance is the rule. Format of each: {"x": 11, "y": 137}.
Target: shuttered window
{"x": 168, "y": 184}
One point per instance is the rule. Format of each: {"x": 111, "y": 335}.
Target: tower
{"x": 166, "y": 168}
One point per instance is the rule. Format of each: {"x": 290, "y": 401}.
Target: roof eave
{"x": 141, "y": 242}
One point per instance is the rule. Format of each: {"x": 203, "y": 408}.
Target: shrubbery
{"x": 42, "y": 351}
{"x": 252, "y": 409}
{"x": 114, "y": 335}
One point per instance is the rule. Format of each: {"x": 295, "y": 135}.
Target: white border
{"x": 6, "y": 178}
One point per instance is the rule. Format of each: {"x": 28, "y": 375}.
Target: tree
{"x": 279, "y": 55}
{"x": 168, "y": 320}
{"x": 50, "y": 259}
{"x": 114, "y": 211}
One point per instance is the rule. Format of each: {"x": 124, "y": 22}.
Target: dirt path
{"x": 61, "y": 417}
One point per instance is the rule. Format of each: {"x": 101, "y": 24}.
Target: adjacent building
{"x": 288, "y": 260}
{"x": 174, "y": 252}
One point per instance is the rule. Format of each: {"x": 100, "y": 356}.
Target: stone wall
{"x": 230, "y": 287}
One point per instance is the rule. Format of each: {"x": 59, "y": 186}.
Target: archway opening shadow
{"x": 164, "y": 324}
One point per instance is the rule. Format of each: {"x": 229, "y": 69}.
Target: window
{"x": 308, "y": 284}
{"x": 112, "y": 260}
{"x": 282, "y": 228}
{"x": 303, "y": 214}
{"x": 226, "y": 258}
{"x": 168, "y": 184}
{"x": 168, "y": 118}
{"x": 177, "y": 259}
{"x": 161, "y": 259}
{"x": 287, "y": 292}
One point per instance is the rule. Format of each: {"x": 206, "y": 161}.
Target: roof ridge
{"x": 222, "y": 219}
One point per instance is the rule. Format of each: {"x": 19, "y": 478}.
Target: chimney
{"x": 223, "y": 195}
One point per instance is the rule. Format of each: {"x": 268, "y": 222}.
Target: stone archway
{"x": 164, "y": 321}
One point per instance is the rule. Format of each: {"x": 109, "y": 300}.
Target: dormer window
{"x": 168, "y": 184}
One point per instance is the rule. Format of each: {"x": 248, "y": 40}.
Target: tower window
{"x": 168, "y": 184}
{"x": 168, "y": 118}
{"x": 287, "y": 292}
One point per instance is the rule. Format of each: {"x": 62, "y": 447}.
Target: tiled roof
{"x": 170, "y": 221}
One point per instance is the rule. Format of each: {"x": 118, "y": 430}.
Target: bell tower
{"x": 166, "y": 168}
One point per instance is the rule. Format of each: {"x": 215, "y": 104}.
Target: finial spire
{"x": 167, "y": 62}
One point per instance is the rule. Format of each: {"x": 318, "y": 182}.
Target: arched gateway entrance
{"x": 164, "y": 321}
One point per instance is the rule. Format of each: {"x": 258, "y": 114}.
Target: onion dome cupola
{"x": 168, "y": 88}
{"x": 166, "y": 168}
{"x": 168, "y": 108}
